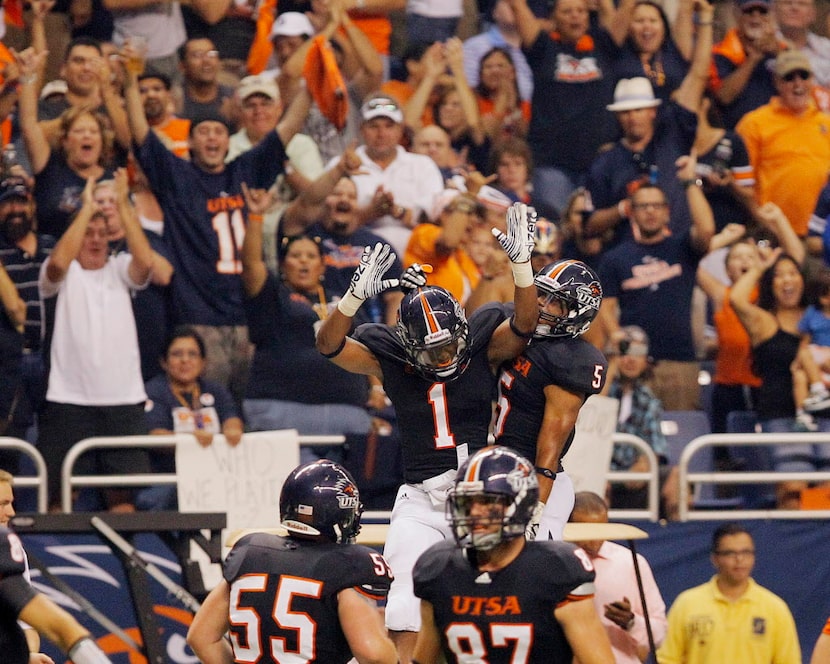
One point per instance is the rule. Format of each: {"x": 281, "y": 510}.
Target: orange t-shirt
{"x": 176, "y": 132}
{"x": 456, "y": 272}
{"x": 733, "y": 365}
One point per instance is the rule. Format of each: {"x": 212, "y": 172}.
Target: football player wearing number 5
{"x": 491, "y": 596}
{"x": 440, "y": 373}
{"x": 205, "y": 217}
{"x": 307, "y": 597}
{"x": 542, "y": 390}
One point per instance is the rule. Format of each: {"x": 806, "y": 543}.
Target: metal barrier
{"x": 688, "y": 513}
{"x": 652, "y": 476}
{"x": 70, "y": 481}
{"x": 39, "y": 481}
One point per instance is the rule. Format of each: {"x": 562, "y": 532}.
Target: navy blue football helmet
{"x": 434, "y": 332}
{"x": 498, "y": 478}
{"x": 576, "y": 287}
{"x": 320, "y": 500}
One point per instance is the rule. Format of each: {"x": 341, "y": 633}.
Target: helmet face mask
{"x": 434, "y": 332}
{"x": 493, "y": 499}
{"x": 569, "y": 295}
{"x": 320, "y": 501}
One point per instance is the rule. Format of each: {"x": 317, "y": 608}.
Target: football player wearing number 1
{"x": 542, "y": 390}
{"x": 440, "y": 373}
{"x": 493, "y": 597}
{"x": 307, "y": 597}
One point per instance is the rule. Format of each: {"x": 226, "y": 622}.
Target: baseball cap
{"x": 13, "y": 187}
{"x": 56, "y": 87}
{"x": 492, "y": 199}
{"x": 749, "y": 4}
{"x": 292, "y": 24}
{"x": 209, "y": 116}
{"x": 791, "y": 60}
{"x": 381, "y": 107}
{"x": 258, "y": 85}
{"x": 633, "y": 93}
{"x": 634, "y": 341}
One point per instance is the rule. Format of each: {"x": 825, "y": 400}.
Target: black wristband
{"x": 546, "y": 472}
{"x": 336, "y": 351}
{"x": 515, "y": 330}
{"x": 696, "y": 182}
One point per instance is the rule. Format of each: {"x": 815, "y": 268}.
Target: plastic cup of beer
{"x": 137, "y": 54}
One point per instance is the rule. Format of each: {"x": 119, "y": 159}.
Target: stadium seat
{"x": 681, "y": 427}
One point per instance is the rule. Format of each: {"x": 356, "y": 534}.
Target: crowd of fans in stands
{"x": 665, "y": 146}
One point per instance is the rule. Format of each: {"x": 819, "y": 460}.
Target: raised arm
{"x": 295, "y": 115}
{"x": 691, "y": 88}
{"x": 773, "y": 218}
{"x": 332, "y": 338}
{"x": 759, "y": 323}
{"x": 138, "y": 245}
{"x": 434, "y": 65}
{"x": 526, "y": 22}
{"x": 469, "y": 105}
{"x": 369, "y": 74}
{"x": 703, "y": 221}
{"x": 37, "y": 146}
{"x": 139, "y": 127}
{"x": 511, "y": 337}
{"x": 68, "y": 247}
{"x": 616, "y": 21}
{"x": 254, "y": 270}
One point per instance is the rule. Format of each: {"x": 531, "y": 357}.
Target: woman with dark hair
{"x": 652, "y": 49}
{"x": 291, "y": 385}
{"x": 181, "y": 401}
{"x": 84, "y": 150}
{"x": 503, "y": 112}
{"x": 772, "y": 325}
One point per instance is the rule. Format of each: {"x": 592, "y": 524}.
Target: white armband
{"x": 86, "y": 651}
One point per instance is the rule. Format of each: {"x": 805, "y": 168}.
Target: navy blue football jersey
{"x": 433, "y": 417}
{"x": 508, "y": 615}
{"x": 204, "y": 225}
{"x": 15, "y": 594}
{"x": 284, "y": 596}
{"x": 572, "y": 364}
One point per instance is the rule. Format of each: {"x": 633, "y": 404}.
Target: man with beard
{"x": 154, "y": 88}
{"x": 22, "y": 252}
{"x": 330, "y": 212}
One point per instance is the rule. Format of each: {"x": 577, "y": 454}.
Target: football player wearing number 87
{"x": 439, "y": 370}
{"x": 491, "y": 596}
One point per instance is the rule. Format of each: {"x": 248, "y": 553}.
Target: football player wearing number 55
{"x": 308, "y": 596}
{"x": 439, "y": 371}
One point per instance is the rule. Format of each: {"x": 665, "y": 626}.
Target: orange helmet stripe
{"x": 431, "y": 322}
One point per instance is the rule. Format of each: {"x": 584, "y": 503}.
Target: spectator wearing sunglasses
{"x": 791, "y": 178}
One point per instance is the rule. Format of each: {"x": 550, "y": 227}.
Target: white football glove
{"x": 367, "y": 280}
{"x": 532, "y": 528}
{"x": 519, "y": 242}
{"x": 413, "y": 277}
